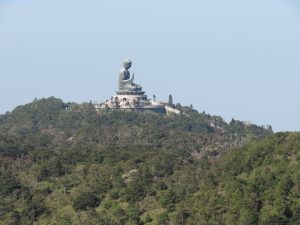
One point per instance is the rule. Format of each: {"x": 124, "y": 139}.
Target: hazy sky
{"x": 238, "y": 59}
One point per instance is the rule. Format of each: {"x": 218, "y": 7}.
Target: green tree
{"x": 86, "y": 200}
{"x": 170, "y": 102}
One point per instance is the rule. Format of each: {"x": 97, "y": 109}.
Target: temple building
{"x": 131, "y": 96}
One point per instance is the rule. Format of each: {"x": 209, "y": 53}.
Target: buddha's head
{"x": 127, "y": 64}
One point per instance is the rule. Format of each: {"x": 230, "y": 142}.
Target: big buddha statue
{"x": 126, "y": 84}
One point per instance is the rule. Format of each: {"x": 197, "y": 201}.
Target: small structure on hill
{"x": 131, "y": 96}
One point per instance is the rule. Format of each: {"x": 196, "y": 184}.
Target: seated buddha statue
{"x": 126, "y": 80}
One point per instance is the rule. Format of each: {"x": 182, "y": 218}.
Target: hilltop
{"x": 54, "y": 122}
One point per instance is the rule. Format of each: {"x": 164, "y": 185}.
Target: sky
{"x": 237, "y": 59}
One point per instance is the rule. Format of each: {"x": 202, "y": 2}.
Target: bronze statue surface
{"x": 126, "y": 84}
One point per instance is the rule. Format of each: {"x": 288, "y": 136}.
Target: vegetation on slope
{"x": 62, "y": 163}
{"x": 256, "y": 184}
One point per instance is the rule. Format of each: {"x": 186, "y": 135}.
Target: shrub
{"x": 86, "y": 200}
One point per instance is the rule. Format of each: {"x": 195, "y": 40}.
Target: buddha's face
{"x": 127, "y": 65}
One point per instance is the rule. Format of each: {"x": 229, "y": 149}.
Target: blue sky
{"x": 237, "y": 59}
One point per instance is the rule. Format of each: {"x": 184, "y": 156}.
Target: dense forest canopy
{"x": 63, "y": 163}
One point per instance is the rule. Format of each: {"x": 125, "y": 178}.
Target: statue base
{"x": 130, "y": 92}
{"x": 129, "y": 100}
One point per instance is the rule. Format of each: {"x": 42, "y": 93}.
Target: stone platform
{"x": 139, "y": 103}
{"x": 130, "y": 92}
{"x": 131, "y": 98}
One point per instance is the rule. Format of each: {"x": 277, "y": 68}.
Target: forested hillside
{"x": 51, "y": 122}
{"x": 256, "y": 184}
{"x": 62, "y": 163}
